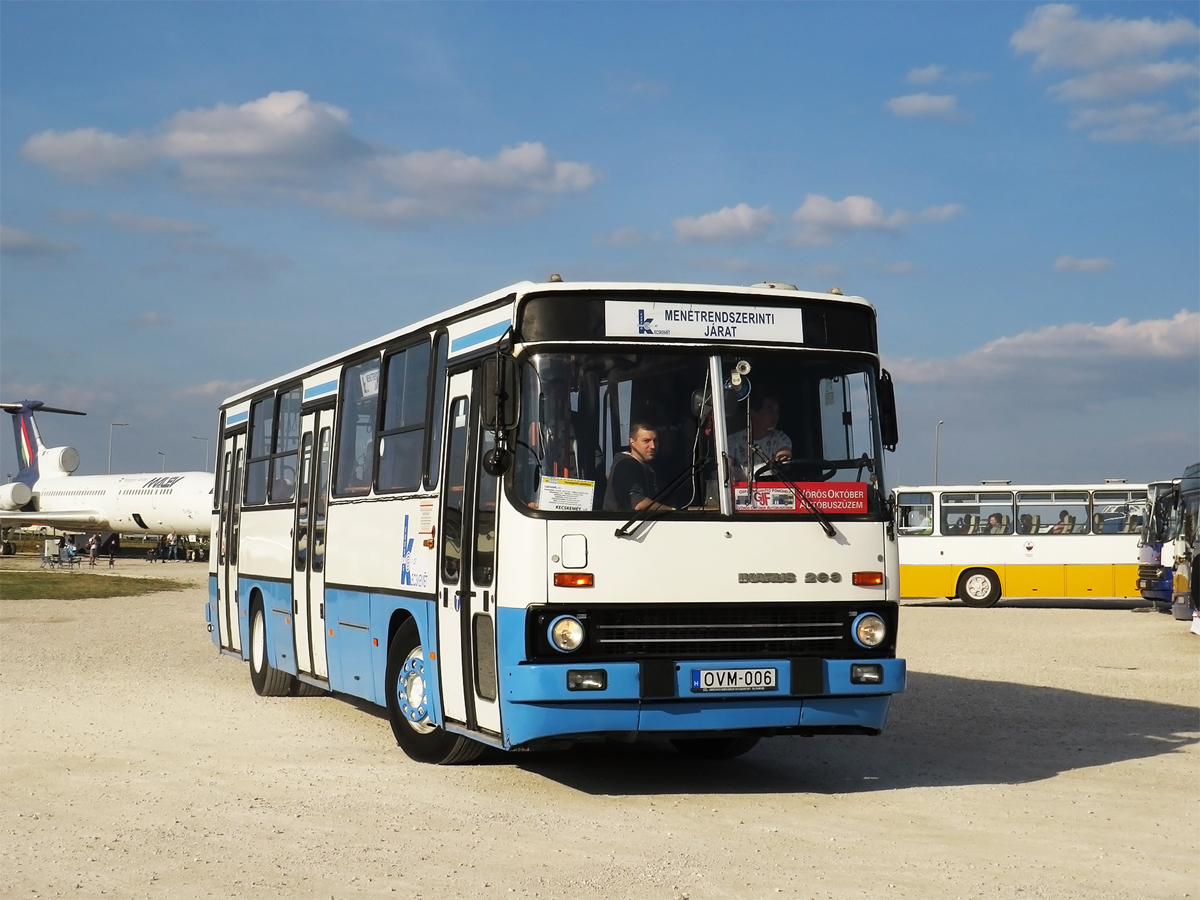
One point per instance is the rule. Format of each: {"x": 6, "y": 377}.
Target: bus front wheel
{"x": 979, "y": 588}
{"x": 408, "y": 705}
{"x": 268, "y": 681}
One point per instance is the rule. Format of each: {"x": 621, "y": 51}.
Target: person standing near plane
{"x": 173, "y": 546}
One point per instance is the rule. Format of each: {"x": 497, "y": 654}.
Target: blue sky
{"x": 199, "y": 197}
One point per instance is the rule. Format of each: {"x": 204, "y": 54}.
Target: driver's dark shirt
{"x": 629, "y": 483}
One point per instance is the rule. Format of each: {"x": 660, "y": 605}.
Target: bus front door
{"x": 232, "y": 450}
{"x": 308, "y": 544}
{"x": 466, "y": 567}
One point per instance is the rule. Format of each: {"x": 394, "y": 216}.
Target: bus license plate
{"x": 734, "y": 680}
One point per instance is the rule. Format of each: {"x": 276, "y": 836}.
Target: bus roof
{"x": 522, "y": 288}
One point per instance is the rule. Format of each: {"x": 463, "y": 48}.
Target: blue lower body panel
{"x": 537, "y": 703}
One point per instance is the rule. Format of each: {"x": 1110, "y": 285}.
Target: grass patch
{"x": 17, "y": 585}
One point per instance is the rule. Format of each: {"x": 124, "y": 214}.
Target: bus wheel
{"x": 267, "y": 680}
{"x": 979, "y": 587}
{"x": 724, "y": 747}
{"x": 408, "y": 705}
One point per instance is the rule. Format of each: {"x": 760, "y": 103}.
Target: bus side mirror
{"x": 501, "y": 389}
{"x": 889, "y": 428}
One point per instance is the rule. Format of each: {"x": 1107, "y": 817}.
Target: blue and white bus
{"x": 431, "y": 522}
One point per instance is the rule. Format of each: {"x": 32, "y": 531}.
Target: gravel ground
{"x": 1043, "y": 750}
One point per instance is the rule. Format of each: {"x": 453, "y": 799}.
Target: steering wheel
{"x": 795, "y": 469}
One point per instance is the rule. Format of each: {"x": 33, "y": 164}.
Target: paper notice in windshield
{"x": 566, "y": 494}
{"x": 775, "y": 496}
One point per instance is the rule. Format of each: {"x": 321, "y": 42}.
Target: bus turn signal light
{"x": 573, "y": 579}
{"x": 868, "y": 579}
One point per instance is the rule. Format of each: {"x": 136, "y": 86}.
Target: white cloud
{"x": 926, "y": 75}
{"x": 127, "y": 221}
{"x": 1062, "y": 403}
{"x": 1118, "y": 59}
{"x": 1059, "y": 37}
{"x": 1073, "y": 264}
{"x": 21, "y": 244}
{"x": 1124, "y": 81}
{"x": 1139, "y": 122}
{"x": 1085, "y": 359}
{"x": 932, "y": 106}
{"x": 286, "y": 146}
{"x": 823, "y": 220}
{"x": 88, "y": 154}
{"x": 729, "y": 224}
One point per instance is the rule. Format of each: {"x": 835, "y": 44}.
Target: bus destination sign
{"x": 706, "y": 321}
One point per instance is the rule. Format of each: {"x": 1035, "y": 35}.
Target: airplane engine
{"x": 59, "y": 460}
{"x": 14, "y": 495}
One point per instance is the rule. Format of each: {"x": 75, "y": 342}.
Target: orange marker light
{"x": 868, "y": 579}
{"x": 574, "y": 579}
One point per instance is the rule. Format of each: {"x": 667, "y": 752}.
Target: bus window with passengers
{"x": 579, "y": 411}
{"x": 566, "y": 512}
{"x": 981, "y": 543}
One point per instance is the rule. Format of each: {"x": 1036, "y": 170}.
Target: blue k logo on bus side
{"x": 644, "y": 323}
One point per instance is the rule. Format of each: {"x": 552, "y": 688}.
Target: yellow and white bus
{"x": 995, "y": 539}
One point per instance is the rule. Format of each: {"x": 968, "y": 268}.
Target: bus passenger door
{"x": 466, "y": 564}
{"x": 308, "y": 543}
{"x": 233, "y": 447}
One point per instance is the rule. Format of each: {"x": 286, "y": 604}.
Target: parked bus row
{"x": 983, "y": 542}
{"x": 1168, "y": 545}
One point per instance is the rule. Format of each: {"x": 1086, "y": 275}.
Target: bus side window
{"x": 455, "y": 490}
{"x": 356, "y": 432}
{"x": 287, "y": 441}
{"x": 402, "y": 435}
{"x": 436, "y": 411}
{"x": 915, "y": 513}
{"x": 258, "y": 463}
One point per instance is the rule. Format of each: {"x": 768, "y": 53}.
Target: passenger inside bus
{"x": 771, "y": 444}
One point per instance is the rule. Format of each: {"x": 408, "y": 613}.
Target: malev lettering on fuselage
{"x": 46, "y": 492}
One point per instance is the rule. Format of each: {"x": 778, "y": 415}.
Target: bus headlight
{"x": 566, "y": 633}
{"x": 868, "y": 630}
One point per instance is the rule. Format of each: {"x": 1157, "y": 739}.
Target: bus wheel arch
{"x": 979, "y": 588}
{"x": 267, "y": 680}
{"x": 407, "y": 691}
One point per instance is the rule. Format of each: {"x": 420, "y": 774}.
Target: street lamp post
{"x": 164, "y": 456}
{"x": 195, "y": 438}
{"x": 936, "y": 448}
{"x": 111, "y": 426}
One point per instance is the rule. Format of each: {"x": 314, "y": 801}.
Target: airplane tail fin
{"x": 25, "y": 433}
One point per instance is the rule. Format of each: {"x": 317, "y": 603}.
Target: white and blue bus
{"x": 432, "y": 522}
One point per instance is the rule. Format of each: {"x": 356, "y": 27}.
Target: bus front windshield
{"x": 617, "y": 432}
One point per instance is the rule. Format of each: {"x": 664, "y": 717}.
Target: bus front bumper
{"x": 538, "y": 704}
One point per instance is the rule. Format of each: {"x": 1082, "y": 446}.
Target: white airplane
{"x": 45, "y": 492}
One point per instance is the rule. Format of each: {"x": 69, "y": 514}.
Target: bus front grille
{"x": 711, "y": 630}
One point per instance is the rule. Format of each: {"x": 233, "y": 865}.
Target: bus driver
{"x": 633, "y": 483}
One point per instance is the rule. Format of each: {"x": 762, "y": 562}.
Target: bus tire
{"x": 726, "y": 746}
{"x": 267, "y": 680}
{"x": 407, "y": 703}
{"x": 979, "y": 588}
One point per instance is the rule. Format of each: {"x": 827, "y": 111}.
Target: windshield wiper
{"x": 821, "y": 518}
{"x": 639, "y": 515}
